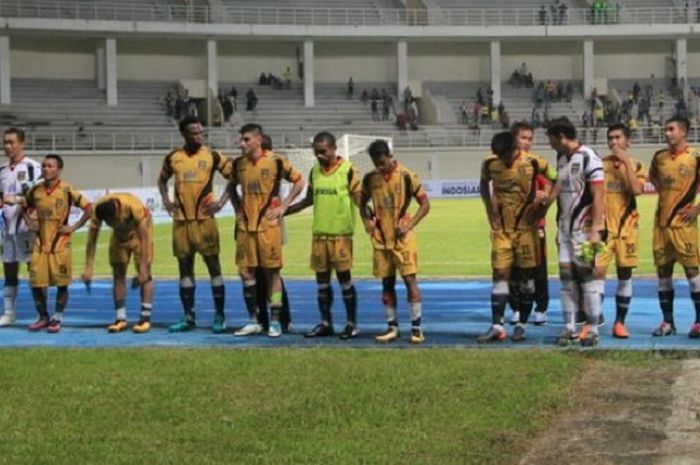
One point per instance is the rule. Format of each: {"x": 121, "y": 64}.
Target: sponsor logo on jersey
{"x": 202, "y": 164}
{"x": 575, "y": 168}
{"x": 21, "y": 176}
{"x": 189, "y": 176}
{"x": 325, "y": 191}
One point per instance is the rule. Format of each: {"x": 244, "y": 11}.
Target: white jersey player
{"x": 17, "y": 175}
{"x": 580, "y": 194}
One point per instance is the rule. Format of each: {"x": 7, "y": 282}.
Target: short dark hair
{"x": 378, "y": 148}
{"x": 16, "y": 131}
{"x": 503, "y": 143}
{"x": 325, "y": 136}
{"x": 266, "y": 142}
{"x": 58, "y": 158}
{"x": 562, "y": 127}
{"x": 681, "y": 120}
{"x": 105, "y": 211}
{"x": 521, "y": 126}
{"x": 620, "y": 127}
{"x": 251, "y": 127}
{"x": 186, "y": 121}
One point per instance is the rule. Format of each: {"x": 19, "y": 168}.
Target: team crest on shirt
{"x": 575, "y": 168}
{"x": 21, "y": 176}
{"x": 265, "y": 174}
{"x": 683, "y": 171}
{"x": 60, "y": 203}
{"x": 522, "y": 171}
{"x": 202, "y": 165}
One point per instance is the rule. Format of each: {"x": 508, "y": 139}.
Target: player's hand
{"x": 690, "y": 214}
{"x": 170, "y": 208}
{"x": 402, "y": 230}
{"x": 212, "y": 208}
{"x": 66, "y": 229}
{"x": 621, "y": 154}
{"x": 275, "y": 213}
{"x": 370, "y": 227}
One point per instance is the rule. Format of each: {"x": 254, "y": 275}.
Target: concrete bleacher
{"x": 518, "y": 102}
{"x": 281, "y": 112}
{"x": 73, "y": 104}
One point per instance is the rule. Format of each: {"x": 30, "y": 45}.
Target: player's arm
{"x": 224, "y": 166}
{"x": 486, "y": 198}
{"x": 690, "y": 213}
{"x": 144, "y": 232}
{"x": 304, "y": 203}
{"x": 421, "y": 197}
{"x": 366, "y": 212}
{"x": 292, "y": 175}
{"x": 653, "y": 176}
{"x": 165, "y": 173}
{"x": 90, "y": 248}
{"x": 597, "y": 189}
{"x": 634, "y": 185}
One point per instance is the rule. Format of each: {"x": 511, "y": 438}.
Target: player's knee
{"x": 344, "y": 278}
{"x": 501, "y": 274}
{"x": 622, "y": 273}
{"x": 323, "y": 278}
{"x": 566, "y": 274}
{"x": 186, "y": 282}
{"x": 186, "y": 266}
{"x": 583, "y": 274}
{"x": 665, "y": 271}
{"x": 213, "y": 265}
{"x": 691, "y": 272}
{"x": 694, "y": 284}
{"x": 665, "y": 284}
{"x": 11, "y": 281}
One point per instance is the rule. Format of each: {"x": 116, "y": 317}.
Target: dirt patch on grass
{"x": 641, "y": 414}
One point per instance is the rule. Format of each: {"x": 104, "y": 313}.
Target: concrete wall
{"x": 633, "y": 59}
{"x": 52, "y": 57}
{"x": 364, "y": 61}
{"x": 159, "y": 60}
{"x": 555, "y": 60}
{"x": 448, "y": 61}
{"x": 244, "y": 60}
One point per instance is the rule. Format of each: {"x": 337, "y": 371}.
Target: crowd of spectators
{"x": 482, "y": 110}
{"x": 276, "y": 82}
{"x": 383, "y": 108}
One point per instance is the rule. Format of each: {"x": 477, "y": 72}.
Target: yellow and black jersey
{"x": 260, "y": 182}
{"x": 194, "y": 176}
{"x": 621, "y": 216}
{"x": 676, "y": 179}
{"x": 131, "y": 213}
{"x": 514, "y": 187}
{"x": 391, "y": 196}
{"x": 52, "y": 207}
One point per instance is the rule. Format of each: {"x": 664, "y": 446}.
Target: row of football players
{"x": 37, "y": 230}
{"x": 597, "y": 222}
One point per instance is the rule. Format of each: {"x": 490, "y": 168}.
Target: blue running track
{"x": 454, "y": 313}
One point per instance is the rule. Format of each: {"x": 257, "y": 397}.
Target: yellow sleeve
{"x": 78, "y": 199}
{"x": 224, "y": 165}
{"x": 641, "y": 172}
{"x": 289, "y": 172}
{"x": 417, "y": 188}
{"x": 166, "y": 170}
{"x": 354, "y": 183}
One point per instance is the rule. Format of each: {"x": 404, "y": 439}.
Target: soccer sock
{"x": 623, "y": 297}
{"x": 600, "y": 285}
{"x": 499, "y": 298}
{"x": 542, "y": 287}
{"x": 591, "y": 303}
{"x": 325, "y": 302}
{"x": 9, "y": 298}
{"x": 250, "y": 296}
{"x": 275, "y": 306}
{"x": 350, "y": 300}
{"x": 416, "y": 314}
{"x": 568, "y": 303}
{"x": 527, "y": 297}
{"x": 39, "y": 294}
{"x": 120, "y": 308}
{"x": 694, "y": 284}
{"x": 187, "y": 297}
{"x": 61, "y": 301}
{"x": 146, "y": 311}
{"x": 286, "y": 316}
{"x": 389, "y": 300}
{"x": 514, "y": 295}
{"x": 666, "y": 295}
{"x": 218, "y": 293}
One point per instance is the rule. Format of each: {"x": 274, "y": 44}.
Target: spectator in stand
{"x": 536, "y": 121}
{"x": 563, "y": 13}
{"x": 288, "y": 78}
{"x": 170, "y": 103}
{"x": 351, "y": 89}
{"x": 375, "y": 94}
{"x": 550, "y": 91}
{"x": 643, "y": 115}
{"x": 540, "y": 95}
{"x": 407, "y": 99}
{"x": 233, "y": 95}
{"x": 489, "y": 95}
{"x": 569, "y": 91}
{"x": 262, "y": 80}
{"x": 476, "y": 111}
{"x": 386, "y": 102}
{"x": 364, "y": 97}
{"x": 636, "y": 89}
{"x": 501, "y": 109}
{"x": 560, "y": 91}
{"x": 180, "y": 107}
{"x": 480, "y": 96}
{"x": 251, "y": 101}
{"x": 374, "y": 107}
{"x": 529, "y": 81}
{"x": 585, "y": 119}
{"x": 464, "y": 111}
{"x": 542, "y": 16}
{"x": 504, "y": 119}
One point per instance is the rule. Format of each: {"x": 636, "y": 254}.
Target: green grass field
{"x": 453, "y": 241}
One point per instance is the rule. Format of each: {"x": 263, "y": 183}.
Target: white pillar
{"x": 588, "y": 71}
{"x": 101, "y": 67}
{"x": 401, "y": 68}
{"x": 111, "y": 70}
{"x": 309, "y": 100}
{"x": 5, "y": 90}
{"x": 682, "y": 64}
{"x": 212, "y": 78}
{"x": 496, "y": 72}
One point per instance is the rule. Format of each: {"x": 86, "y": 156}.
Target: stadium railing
{"x": 162, "y": 140}
{"x": 230, "y": 14}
